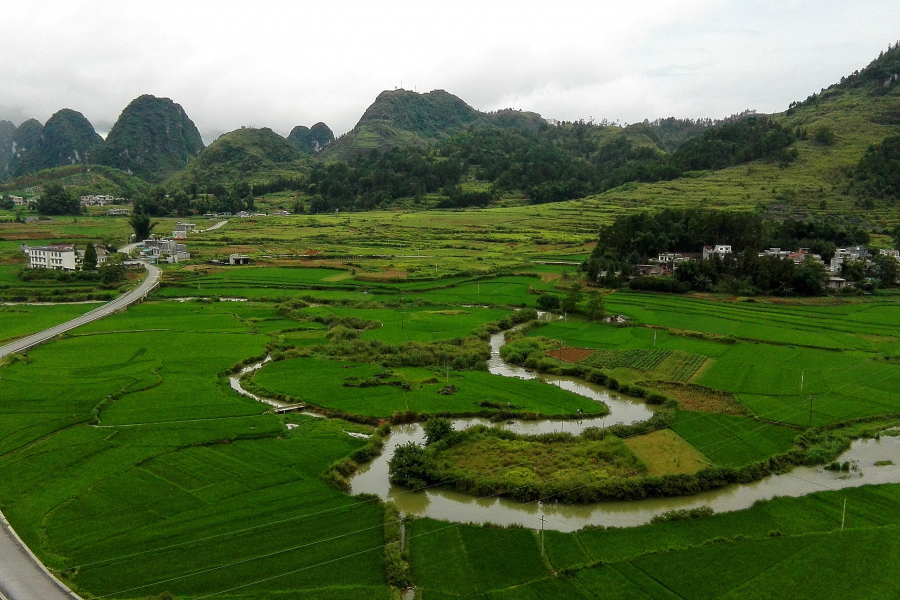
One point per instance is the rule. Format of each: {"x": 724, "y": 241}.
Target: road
{"x": 104, "y": 310}
{"x": 22, "y": 576}
{"x": 216, "y": 226}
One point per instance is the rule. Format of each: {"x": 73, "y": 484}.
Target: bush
{"x": 409, "y": 466}
{"x": 548, "y": 302}
{"x": 436, "y": 429}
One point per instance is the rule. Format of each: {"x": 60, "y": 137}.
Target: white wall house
{"x": 62, "y": 257}
{"x": 719, "y": 249}
{"x": 164, "y": 249}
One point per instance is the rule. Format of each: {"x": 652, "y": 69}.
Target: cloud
{"x": 281, "y": 64}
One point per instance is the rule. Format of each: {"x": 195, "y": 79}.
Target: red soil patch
{"x": 569, "y": 354}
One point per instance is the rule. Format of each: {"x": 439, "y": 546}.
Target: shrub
{"x": 436, "y": 429}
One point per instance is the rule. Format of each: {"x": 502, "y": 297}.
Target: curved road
{"x": 22, "y": 576}
{"x": 148, "y": 285}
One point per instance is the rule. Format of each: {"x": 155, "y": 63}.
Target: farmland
{"x": 137, "y": 470}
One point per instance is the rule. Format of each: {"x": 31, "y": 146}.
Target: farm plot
{"x": 324, "y": 382}
{"x": 135, "y": 471}
{"x": 642, "y": 360}
{"x": 569, "y": 354}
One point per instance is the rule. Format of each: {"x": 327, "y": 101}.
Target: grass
{"x": 178, "y": 457}
{"x": 321, "y": 382}
{"x": 837, "y": 348}
{"x": 521, "y": 462}
{"x": 664, "y": 452}
{"x": 22, "y": 319}
{"x": 731, "y": 441}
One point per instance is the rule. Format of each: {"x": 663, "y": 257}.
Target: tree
{"x": 548, "y": 302}
{"x": 57, "y": 200}
{"x": 570, "y": 302}
{"x": 140, "y": 223}
{"x": 436, "y": 429}
{"x": 809, "y": 278}
{"x": 886, "y": 269}
{"x": 595, "y": 306}
{"x": 89, "y": 263}
{"x": 113, "y": 271}
{"x": 409, "y": 466}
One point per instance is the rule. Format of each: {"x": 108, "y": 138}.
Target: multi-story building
{"x": 62, "y": 257}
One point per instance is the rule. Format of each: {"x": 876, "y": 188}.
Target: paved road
{"x": 107, "y": 309}
{"x": 22, "y": 576}
{"x": 216, "y": 226}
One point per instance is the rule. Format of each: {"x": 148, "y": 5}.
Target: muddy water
{"x": 235, "y": 382}
{"x": 448, "y": 505}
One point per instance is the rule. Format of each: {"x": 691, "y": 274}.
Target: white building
{"x": 717, "y": 250}
{"x": 895, "y": 254}
{"x": 163, "y": 249}
{"x": 186, "y": 227}
{"x": 852, "y": 253}
{"x": 62, "y": 257}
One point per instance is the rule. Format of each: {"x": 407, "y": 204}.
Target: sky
{"x": 280, "y": 64}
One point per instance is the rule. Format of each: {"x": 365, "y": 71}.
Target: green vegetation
{"x": 67, "y": 138}
{"x": 255, "y": 155}
{"x": 310, "y": 140}
{"x": 343, "y": 386}
{"x": 136, "y": 470}
{"x": 153, "y": 138}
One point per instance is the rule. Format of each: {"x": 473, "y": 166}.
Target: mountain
{"x": 67, "y": 138}
{"x": 153, "y": 139}
{"x": 25, "y": 140}
{"x": 82, "y": 180}
{"x": 404, "y": 118}
{"x": 311, "y": 140}
{"x": 7, "y": 137}
{"x": 254, "y": 155}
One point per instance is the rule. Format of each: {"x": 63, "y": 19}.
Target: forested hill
{"x": 153, "y": 139}
{"x": 401, "y": 118}
{"x": 246, "y": 154}
{"x": 7, "y": 137}
{"x": 310, "y": 140}
{"x": 67, "y": 138}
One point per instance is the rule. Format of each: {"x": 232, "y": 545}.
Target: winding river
{"x": 448, "y": 505}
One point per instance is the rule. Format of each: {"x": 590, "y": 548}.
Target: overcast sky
{"x": 280, "y": 64}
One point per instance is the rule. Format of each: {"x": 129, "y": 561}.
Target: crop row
{"x": 642, "y": 360}
{"x": 690, "y": 364}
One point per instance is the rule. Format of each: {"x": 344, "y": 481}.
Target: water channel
{"x": 448, "y": 505}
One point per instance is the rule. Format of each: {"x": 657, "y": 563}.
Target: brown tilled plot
{"x": 570, "y": 354}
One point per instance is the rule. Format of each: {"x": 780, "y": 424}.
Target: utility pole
{"x": 654, "y": 339}
{"x": 811, "y": 398}
{"x": 844, "y": 514}
{"x": 542, "y": 535}
{"x": 801, "y": 381}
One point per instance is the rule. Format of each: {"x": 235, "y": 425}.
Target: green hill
{"x": 7, "y": 138}
{"x": 246, "y": 154}
{"x": 26, "y": 139}
{"x": 836, "y": 127}
{"x": 407, "y": 119}
{"x": 82, "y": 180}
{"x": 153, "y": 138}
{"x": 311, "y": 140}
{"x": 67, "y": 138}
